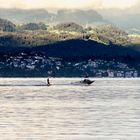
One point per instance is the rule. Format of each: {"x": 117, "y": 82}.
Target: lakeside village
{"x": 41, "y": 65}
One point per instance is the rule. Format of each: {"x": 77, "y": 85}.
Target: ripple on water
{"x": 107, "y": 110}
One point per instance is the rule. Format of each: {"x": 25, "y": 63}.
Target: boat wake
{"x": 43, "y": 84}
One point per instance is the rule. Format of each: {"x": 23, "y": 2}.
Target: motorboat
{"x": 87, "y": 82}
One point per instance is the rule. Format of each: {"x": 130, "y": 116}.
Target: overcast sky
{"x": 27, "y": 4}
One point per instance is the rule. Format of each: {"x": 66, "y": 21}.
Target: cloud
{"x": 119, "y": 3}
{"x": 135, "y": 8}
{"x": 28, "y": 4}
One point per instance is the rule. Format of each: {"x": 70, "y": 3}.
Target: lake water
{"x": 107, "y": 110}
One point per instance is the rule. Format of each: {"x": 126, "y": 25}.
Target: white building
{"x": 135, "y": 74}
{"x": 128, "y": 74}
{"x": 110, "y": 74}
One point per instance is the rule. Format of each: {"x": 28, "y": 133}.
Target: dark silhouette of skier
{"x": 48, "y": 82}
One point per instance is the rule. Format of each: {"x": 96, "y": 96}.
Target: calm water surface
{"x": 107, "y": 110}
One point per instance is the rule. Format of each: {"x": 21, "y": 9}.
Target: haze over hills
{"x": 125, "y": 19}
{"x": 25, "y": 16}
{"x": 122, "y": 18}
{"x": 41, "y": 15}
{"x": 123, "y": 13}
{"x": 79, "y": 16}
